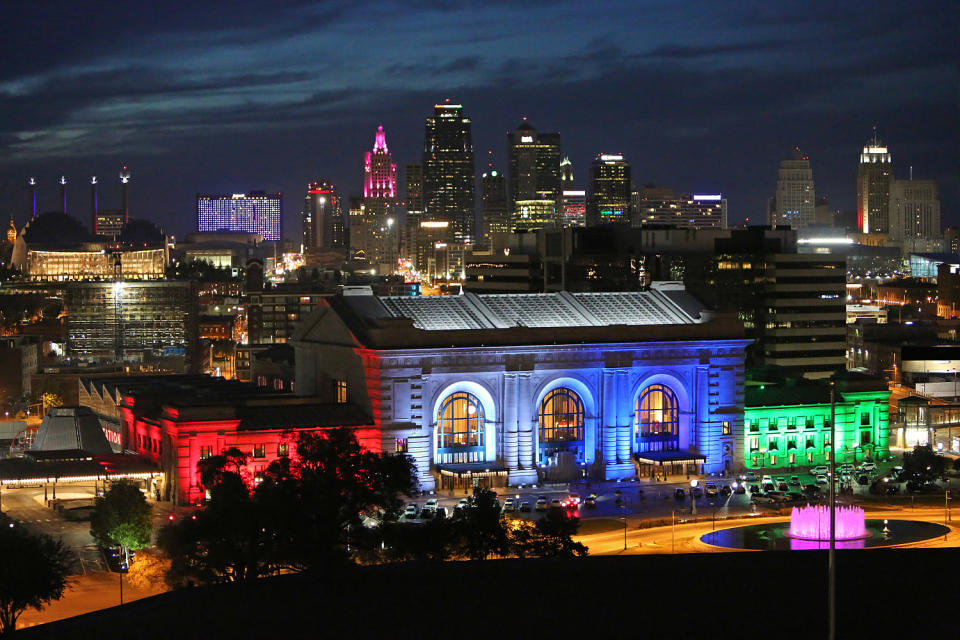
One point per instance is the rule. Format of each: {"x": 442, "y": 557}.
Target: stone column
{"x": 624, "y": 433}
{"x": 509, "y": 413}
{"x": 608, "y": 415}
{"x": 524, "y": 421}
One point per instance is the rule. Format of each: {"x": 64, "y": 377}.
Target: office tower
{"x": 357, "y": 227}
{"x": 379, "y": 196}
{"x": 566, "y": 174}
{"x": 608, "y": 198}
{"x": 823, "y": 213}
{"x": 413, "y": 187}
{"x": 874, "y": 177}
{"x": 795, "y": 199}
{"x": 660, "y": 206}
{"x": 93, "y": 204}
{"x": 323, "y": 224}
{"x": 914, "y": 209}
{"x": 448, "y": 171}
{"x": 493, "y": 205}
{"x": 534, "y": 163}
{"x": 573, "y": 201}
{"x": 256, "y": 212}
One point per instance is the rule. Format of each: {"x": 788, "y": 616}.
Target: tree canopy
{"x": 122, "y": 518}
{"x": 32, "y": 574}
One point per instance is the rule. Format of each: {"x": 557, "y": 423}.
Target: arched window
{"x": 561, "y": 417}
{"x": 658, "y": 417}
{"x": 460, "y": 423}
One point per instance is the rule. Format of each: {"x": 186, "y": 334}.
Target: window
{"x": 793, "y": 458}
{"x": 754, "y": 444}
{"x": 753, "y": 426}
{"x": 283, "y": 449}
{"x": 725, "y": 429}
{"x": 753, "y": 460}
{"x": 205, "y": 452}
{"x": 818, "y": 421}
{"x": 460, "y": 422}
{"x": 811, "y": 442}
{"x": 401, "y": 445}
{"x": 773, "y": 459}
{"x": 809, "y": 456}
{"x": 864, "y": 438}
{"x": 772, "y": 444}
{"x": 864, "y": 419}
{"x": 261, "y": 381}
{"x": 782, "y": 423}
{"x": 259, "y": 451}
{"x": 340, "y": 391}
{"x": 764, "y": 423}
{"x": 657, "y": 412}
{"x": 561, "y": 417}
{"x": 802, "y": 422}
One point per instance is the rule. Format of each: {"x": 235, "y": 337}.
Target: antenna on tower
{"x": 124, "y": 179}
{"x": 94, "y": 204}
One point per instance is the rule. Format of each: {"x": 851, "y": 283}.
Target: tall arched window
{"x": 561, "y": 417}
{"x": 460, "y": 428}
{"x": 657, "y": 424}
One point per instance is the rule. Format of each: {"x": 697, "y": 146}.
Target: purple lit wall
{"x": 379, "y": 173}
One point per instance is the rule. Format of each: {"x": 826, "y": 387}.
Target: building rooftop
{"x": 70, "y": 429}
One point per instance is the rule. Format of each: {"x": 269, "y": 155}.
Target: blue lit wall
{"x": 260, "y": 214}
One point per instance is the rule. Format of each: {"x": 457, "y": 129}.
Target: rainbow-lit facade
{"x": 255, "y": 212}
{"x": 525, "y": 388}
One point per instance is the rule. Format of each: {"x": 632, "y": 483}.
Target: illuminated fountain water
{"x": 813, "y": 523}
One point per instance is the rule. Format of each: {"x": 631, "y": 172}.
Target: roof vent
{"x": 363, "y": 290}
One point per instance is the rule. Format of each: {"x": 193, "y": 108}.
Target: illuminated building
{"x": 534, "y": 166}
{"x": 523, "y": 388}
{"x": 109, "y": 224}
{"x": 256, "y": 212}
{"x": 914, "y": 209}
{"x": 795, "y": 193}
{"x": 133, "y": 320}
{"x": 434, "y": 245}
{"x": 659, "y": 206}
{"x": 379, "y": 196}
{"x": 874, "y": 178}
{"x": 11, "y": 232}
{"x": 529, "y": 215}
{"x": 573, "y": 208}
{"x": 323, "y": 224}
{"x": 608, "y": 199}
{"x": 61, "y": 265}
{"x": 413, "y": 199}
{"x": 786, "y": 424}
{"x": 176, "y": 421}
{"x": 273, "y": 315}
{"x": 448, "y": 171}
{"x": 494, "y": 208}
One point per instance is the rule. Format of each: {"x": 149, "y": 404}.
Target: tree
{"x": 33, "y": 573}
{"x": 122, "y": 518}
{"x": 923, "y": 465}
{"x": 482, "y": 529}
{"x": 554, "y": 536}
{"x": 148, "y": 570}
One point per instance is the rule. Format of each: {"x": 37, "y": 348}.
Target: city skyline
{"x": 736, "y": 89}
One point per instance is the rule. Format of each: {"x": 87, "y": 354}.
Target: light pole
{"x": 693, "y": 497}
{"x": 673, "y": 531}
{"x": 831, "y": 565}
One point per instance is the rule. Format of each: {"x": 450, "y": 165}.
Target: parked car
{"x": 680, "y": 494}
{"x": 822, "y": 479}
{"x": 741, "y": 488}
{"x": 525, "y": 507}
{"x": 819, "y": 470}
{"x": 754, "y": 489}
{"x": 427, "y": 513}
{"x": 432, "y": 503}
{"x": 750, "y": 476}
{"x": 508, "y": 507}
{"x": 711, "y": 490}
{"x": 794, "y": 481}
{"x": 725, "y": 490}
{"x": 441, "y": 512}
{"x": 782, "y": 486}
{"x": 796, "y": 496}
{"x": 696, "y": 492}
{"x": 760, "y": 498}
{"x": 768, "y": 487}
{"x": 868, "y": 467}
{"x": 542, "y": 503}
{"x": 556, "y": 504}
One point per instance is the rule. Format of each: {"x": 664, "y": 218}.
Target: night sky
{"x": 701, "y": 96}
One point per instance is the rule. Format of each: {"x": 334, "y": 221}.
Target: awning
{"x": 670, "y": 457}
{"x": 479, "y": 469}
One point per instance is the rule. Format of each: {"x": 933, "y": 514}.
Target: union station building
{"x": 518, "y": 388}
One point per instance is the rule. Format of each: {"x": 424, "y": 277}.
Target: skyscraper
{"x": 573, "y": 201}
{"x": 493, "y": 205}
{"x": 380, "y": 194}
{"x": 534, "y": 161}
{"x": 413, "y": 199}
{"x": 608, "y": 199}
{"x": 323, "y": 225}
{"x": 914, "y": 210}
{"x": 874, "y": 178}
{"x": 448, "y": 170}
{"x": 256, "y": 212}
{"x": 795, "y": 199}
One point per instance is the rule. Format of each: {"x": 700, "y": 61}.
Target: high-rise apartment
{"x": 874, "y": 178}
{"x": 534, "y": 162}
{"x": 795, "y": 199}
{"x": 323, "y": 224}
{"x": 608, "y": 198}
{"x": 448, "y": 170}
{"x": 914, "y": 209}
{"x": 254, "y": 212}
{"x": 379, "y": 196}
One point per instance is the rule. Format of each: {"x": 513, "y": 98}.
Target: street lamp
{"x": 693, "y": 497}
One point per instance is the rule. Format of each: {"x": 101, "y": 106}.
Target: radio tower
{"x": 33, "y": 195}
{"x": 124, "y": 179}
{"x": 63, "y": 192}
{"x": 93, "y": 204}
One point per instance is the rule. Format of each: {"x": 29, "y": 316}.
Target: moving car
{"x": 573, "y": 500}
{"x": 696, "y": 492}
{"x": 751, "y": 477}
{"x": 590, "y": 500}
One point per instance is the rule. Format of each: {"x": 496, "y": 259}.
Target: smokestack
{"x": 124, "y": 179}
{"x": 93, "y": 204}
{"x": 63, "y": 192}
{"x": 33, "y": 195}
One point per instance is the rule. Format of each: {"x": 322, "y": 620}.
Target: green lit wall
{"x": 799, "y": 435}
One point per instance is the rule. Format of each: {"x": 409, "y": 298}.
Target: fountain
{"x": 813, "y": 523}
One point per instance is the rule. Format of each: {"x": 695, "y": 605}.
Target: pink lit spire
{"x": 379, "y": 172}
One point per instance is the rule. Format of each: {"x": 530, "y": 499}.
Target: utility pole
{"x": 831, "y": 558}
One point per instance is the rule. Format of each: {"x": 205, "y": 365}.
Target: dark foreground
{"x": 882, "y": 594}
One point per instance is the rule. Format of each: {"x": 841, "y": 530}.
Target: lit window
{"x": 283, "y": 449}
{"x": 340, "y": 391}
{"x": 205, "y": 452}
{"x": 561, "y": 417}
{"x": 754, "y": 444}
{"x": 809, "y": 456}
{"x": 773, "y": 459}
{"x": 658, "y": 412}
{"x": 725, "y": 429}
{"x": 864, "y": 419}
{"x": 401, "y": 445}
{"x": 259, "y": 451}
{"x": 460, "y": 422}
